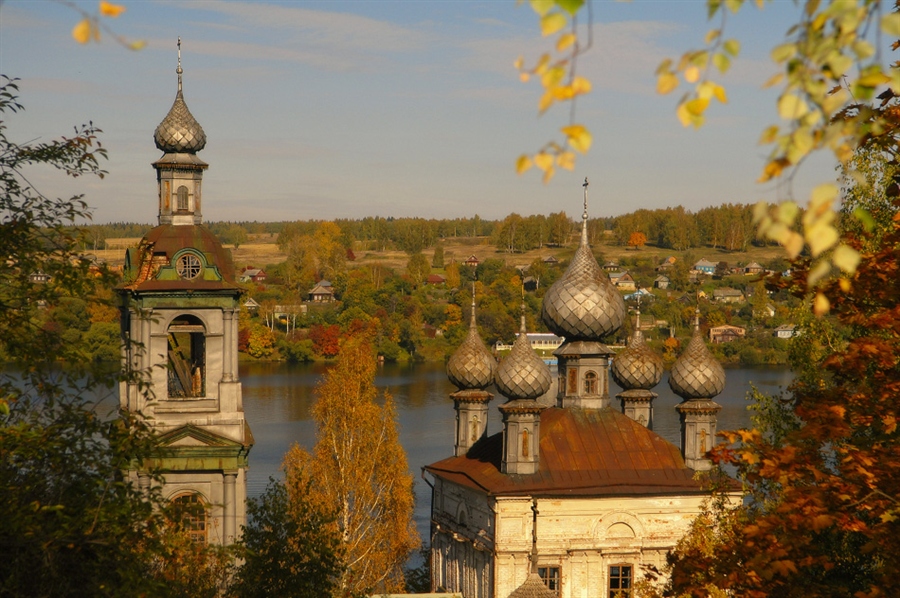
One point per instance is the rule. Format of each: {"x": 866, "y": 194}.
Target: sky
{"x": 323, "y": 110}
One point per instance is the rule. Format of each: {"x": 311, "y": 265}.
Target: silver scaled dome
{"x": 696, "y": 374}
{"x": 533, "y": 587}
{"x": 522, "y": 374}
{"x": 472, "y": 366}
{"x": 179, "y": 131}
{"x": 583, "y": 304}
{"x": 638, "y": 366}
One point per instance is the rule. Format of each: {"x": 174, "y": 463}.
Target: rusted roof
{"x": 584, "y": 452}
{"x": 156, "y": 252}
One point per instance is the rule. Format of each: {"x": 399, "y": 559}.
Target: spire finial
{"x": 179, "y": 70}
{"x": 534, "y": 552}
{"x": 584, "y": 214}
{"x": 697, "y": 318}
{"x": 473, "y": 304}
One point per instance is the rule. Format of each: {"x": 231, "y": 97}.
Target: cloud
{"x": 323, "y": 39}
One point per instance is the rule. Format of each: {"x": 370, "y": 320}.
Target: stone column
{"x": 230, "y": 507}
{"x": 230, "y": 345}
{"x": 698, "y": 431}
{"x": 638, "y": 405}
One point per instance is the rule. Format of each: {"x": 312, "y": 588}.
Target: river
{"x": 278, "y": 398}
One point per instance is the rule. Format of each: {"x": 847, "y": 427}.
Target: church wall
{"x": 584, "y": 536}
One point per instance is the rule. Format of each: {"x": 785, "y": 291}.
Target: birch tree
{"x": 357, "y": 473}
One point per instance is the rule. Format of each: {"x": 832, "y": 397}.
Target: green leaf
{"x": 732, "y": 46}
{"x": 865, "y": 218}
{"x": 791, "y": 107}
{"x": 541, "y": 7}
{"x": 553, "y": 22}
{"x": 570, "y": 6}
{"x": 721, "y": 62}
{"x": 784, "y": 52}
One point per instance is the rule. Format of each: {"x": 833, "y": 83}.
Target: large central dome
{"x": 583, "y": 304}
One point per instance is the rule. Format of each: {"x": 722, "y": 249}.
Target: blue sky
{"x": 321, "y": 110}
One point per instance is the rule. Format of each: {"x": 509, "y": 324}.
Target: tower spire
{"x": 584, "y": 214}
{"x": 179, "y": 70}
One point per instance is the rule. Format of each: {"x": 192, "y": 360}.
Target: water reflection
{"x": 278, "y": 399}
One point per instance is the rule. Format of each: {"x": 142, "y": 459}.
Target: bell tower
{"x": 179, "y": 317}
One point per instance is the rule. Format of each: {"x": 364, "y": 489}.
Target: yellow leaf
{"x": 821, "y": 305}
{"x": 523, "y": 164}
{"x": 578, "y": 137}
{"x": 553, "y": 76}
{"x": 793, "y": 244}
{"x": 137, "y": 44}
{"x": 683, "y": 115}
{"x": 772, "y": 170}
{"x": 697, "y": 106}
{"x": 773, "y": 80}
{"x": 786, "y": 212}
{"x": 566, "y": 160}
{"x": 110, "y": 10}
{"x": 712, "y": 35}
{"x": 82, "y": 31}
{"x": 846, "y": 258}
{"x": 518, "y": 63}
{"x": 541, "y": 7}
{"x": 543, "y": 161}
{"x": 784, "y": 52}
{"x": 562, "y": 92}
{"x": 719, "y": 92}
{"x": 769, "y": 135}
{"x": 845, "y": 285}
{"x": 564, "y": 41}
{"x": 552, "y": 22}
{"x": 791, "y": 107}
{"x": 691, "y": 74}
{"x": 890, "y": 24}
{"x": 821, "y": 197}
{"x": 545, "y": 102}
{"x": 524, "y": 77}
{"x": 548, "y": 174}
{"x": 821, "y": 236}
{"x": 760, "y": 210}
{"x": 666, "y": 83}
{"x": 818, "y": 272}
{"x": 581, "y": 85}
{"x": 732, "y": 46}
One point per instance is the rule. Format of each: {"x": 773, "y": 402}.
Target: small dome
{"x": 179, "y": 132}
{"x": 522, "y": 374}
{"x": 533, "y": 587}
{"x": 472, "y": 366}
{"x": 583, "y": 304}
{"x": 638, "y": 366}
{"x": 696, "y": 374}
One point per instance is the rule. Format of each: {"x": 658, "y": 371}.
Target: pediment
{"x": 191, "y": 435}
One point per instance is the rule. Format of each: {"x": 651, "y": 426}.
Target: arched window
{"x": 590, "y": 383}
{"x": 183, "y": 199}
{"x": 187, "y": 358}
{"x": 191, "y": 511}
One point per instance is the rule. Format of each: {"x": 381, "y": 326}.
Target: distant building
{"x": 727, "y": 295}
{"x": 257, "y": 275}
{"x": 551, "y": 261}
{"x": 726, "y": 334}
{"x": 611, "y": 266}
{"x": 472, "y": 261}
{"x": 753, "y": 268}
{"x": 251, "y": 304}
{"x": 39, "y": 277}
{"x": 661, "y": 282}
{"x": 786, "y": 331}
{"x": 322, "y": 292}
{"x": 625, "y": 282}
{"x": 539, "y": 341}
{"x": 705, "y": 266}
{"x": 435, "y": 279}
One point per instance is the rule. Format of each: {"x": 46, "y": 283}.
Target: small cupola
{"x": 522, "y": 378}
{"x": 179, "y": 171}
{"x": 637, "y": 369}
{"x": 697, "y": 378}
{"x": 471, "y": 369}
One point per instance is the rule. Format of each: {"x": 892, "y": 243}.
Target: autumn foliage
{"x": 824, "y": 514}
{"x": 357, "y": 473}
{"x": 637, "y": 240}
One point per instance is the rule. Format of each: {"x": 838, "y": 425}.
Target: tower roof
{"x": 583, "y": 304}
{"x": 179, "y": 131}
{"x": 472, "y": 366}
{"x": 696, "y": 374}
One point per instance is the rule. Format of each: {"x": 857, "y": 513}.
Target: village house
{"x": 705, "y": 266}
{"x": 726, "y": 334}
{"x": 322, "y": 292}
{"x": 727, "y": 295}
{"x": 256, "y": 275}
{"x": 786, "y": 331}
{"x": 753, "y": 268}
{"x": 472, "y": 261}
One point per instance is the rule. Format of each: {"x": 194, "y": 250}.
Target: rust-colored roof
{"x": 584, "y": 452}
{"x": 157, "y": 249}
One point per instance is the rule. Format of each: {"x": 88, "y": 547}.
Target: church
{"x": 180, "y": 304}
{"x": 575, "y": 492}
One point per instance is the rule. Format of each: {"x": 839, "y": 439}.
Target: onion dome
{"x": 583, "y": 304}
{"x": 533, "y": 587}
{"x": 696, "y": 374}
{"x": 179, "y": 132}
{"x": 472, "y": 366}
{"x": 638, "y": 366}
{"x": 522, "y": 374}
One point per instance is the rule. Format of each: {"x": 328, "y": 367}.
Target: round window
{"x": 188, "y": 266}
